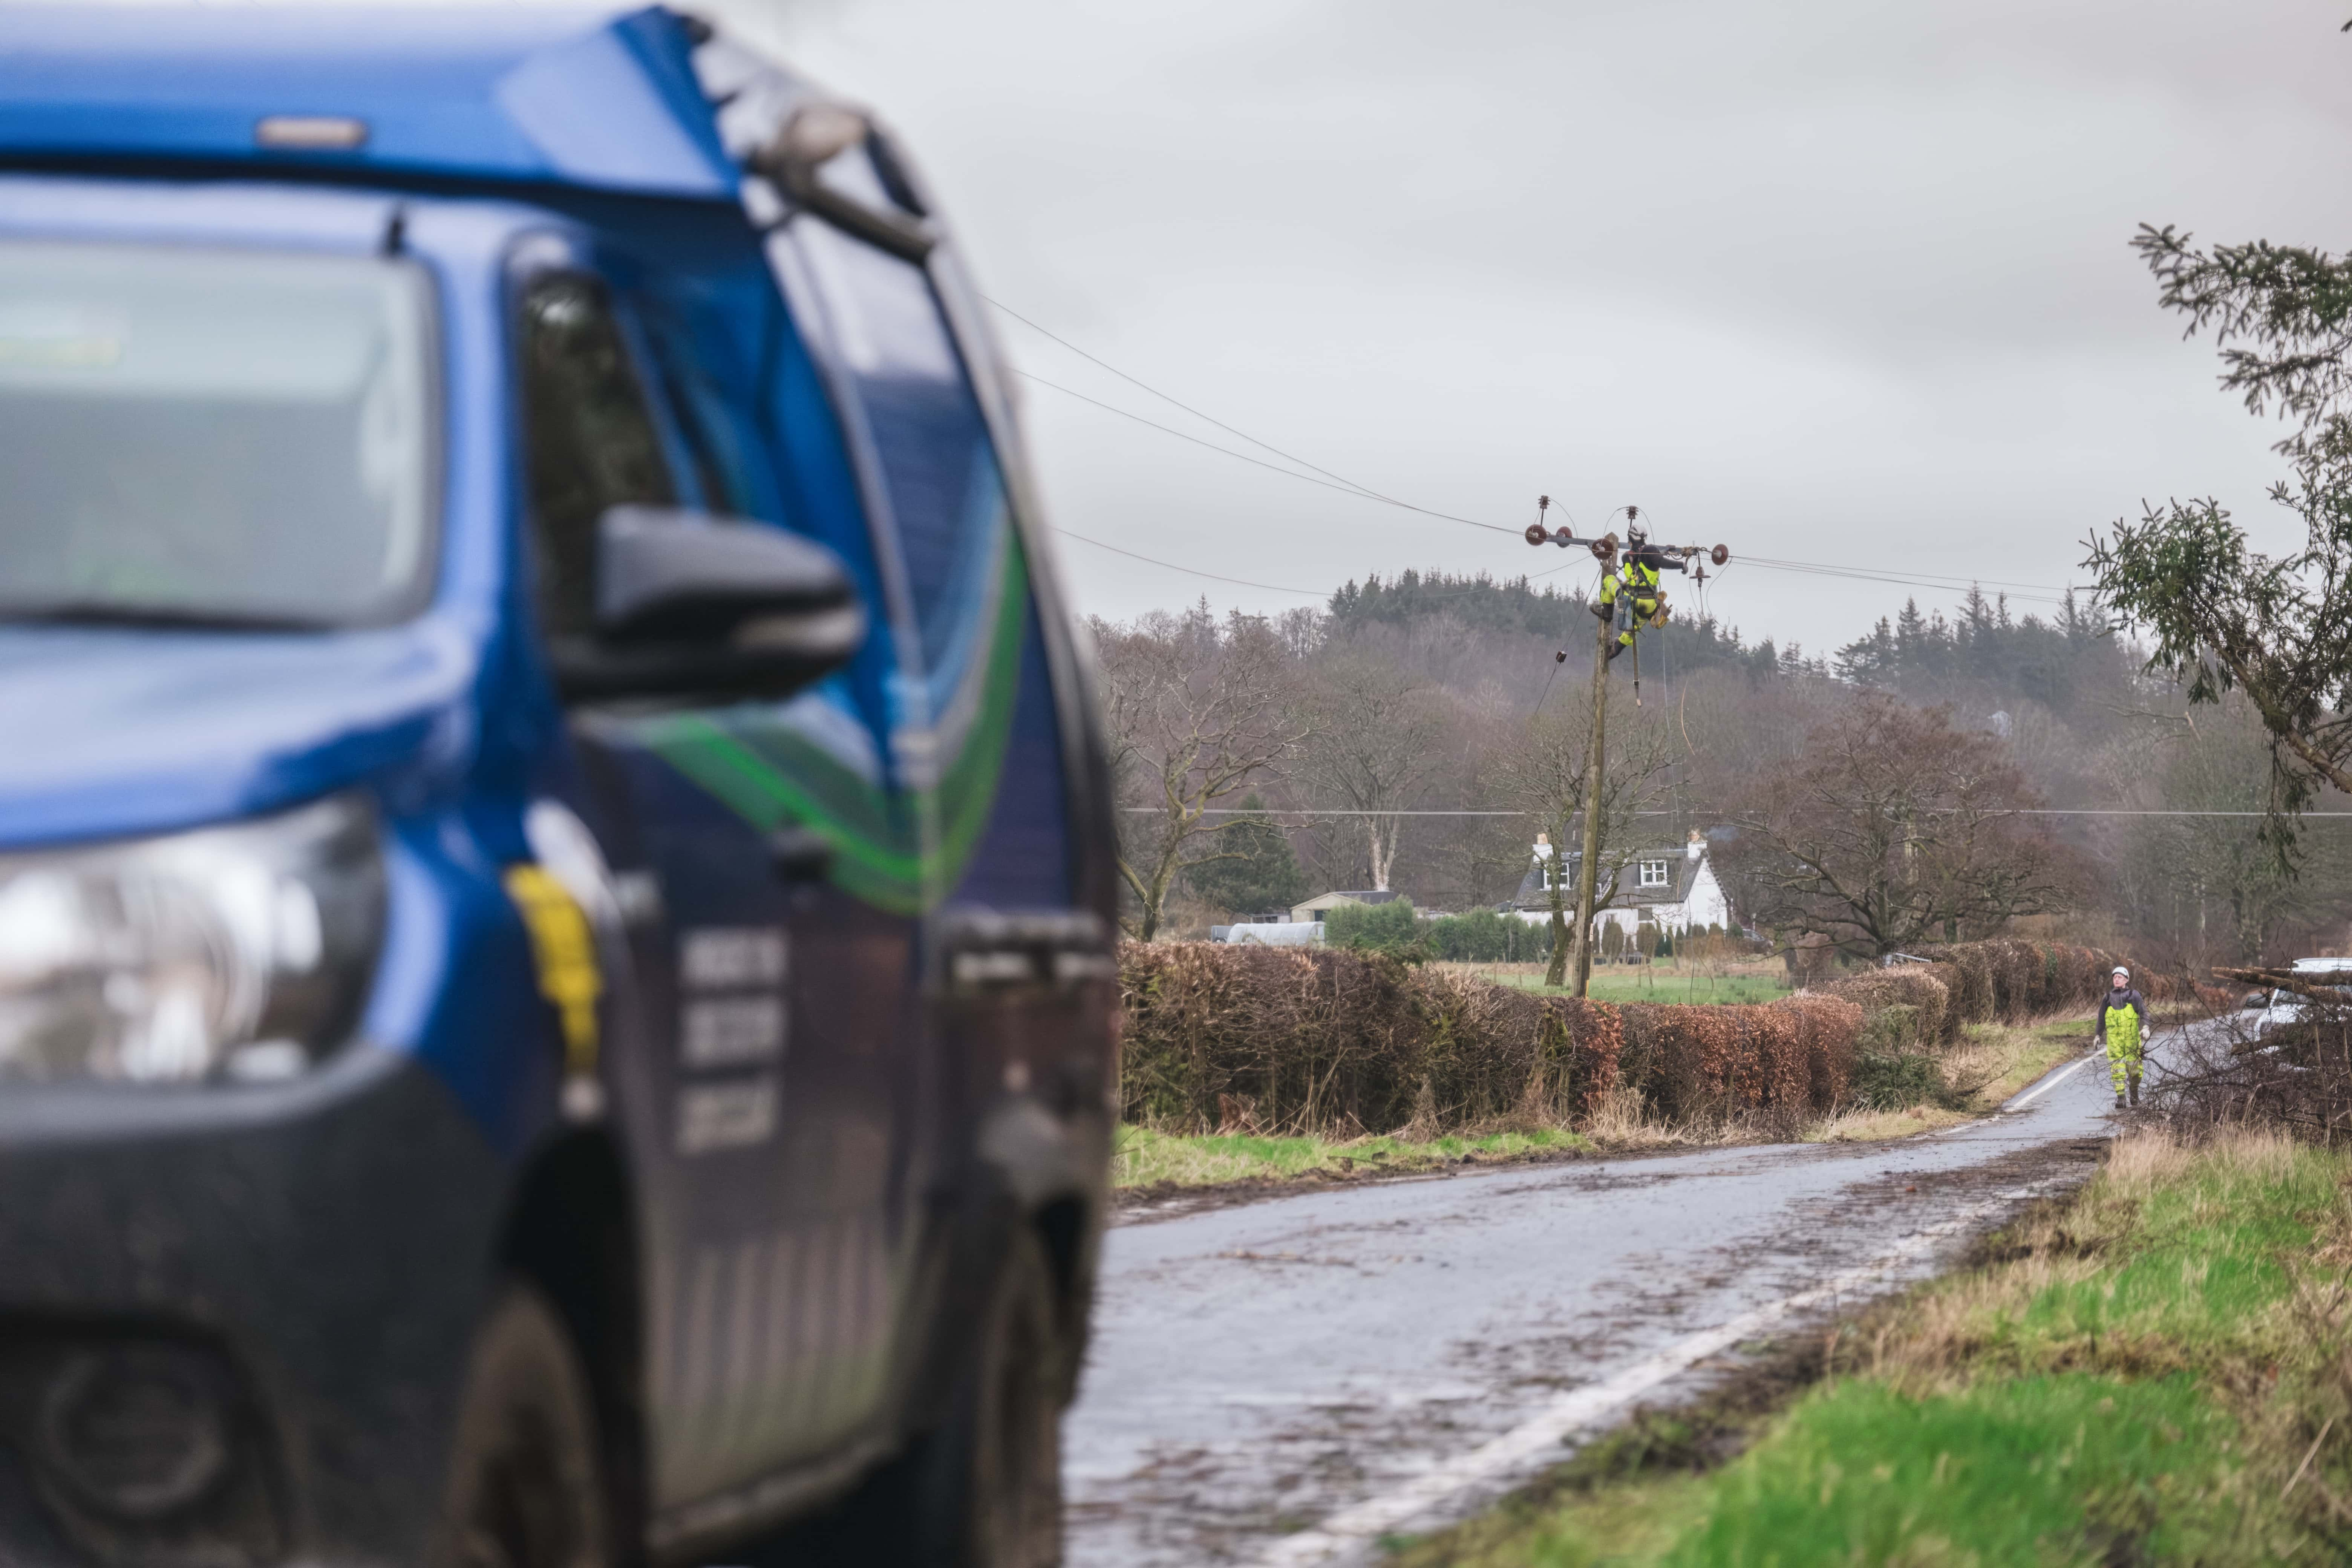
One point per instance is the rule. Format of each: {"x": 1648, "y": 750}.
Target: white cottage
{"x": 1673, "y": 888}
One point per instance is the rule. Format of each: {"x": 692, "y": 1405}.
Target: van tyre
{"x": 984, "y": 1489}
{"x": 525, "y": 1488}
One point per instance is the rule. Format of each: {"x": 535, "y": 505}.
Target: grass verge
{"x": 1144, "y": 1158}
{"x": 2158, "y": 1370}
{"x": 1868, "y": 1126}
{"x": 1997, "y": 1060}
{"x": 1989, "y": 1063}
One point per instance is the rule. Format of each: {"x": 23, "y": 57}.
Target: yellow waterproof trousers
{"x": 2124, "y": 1044}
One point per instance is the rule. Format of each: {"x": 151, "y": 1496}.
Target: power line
{"x": 1192, "y": 572}
{"x": 1278, "y": 588}
{"x": 1941, "y": 576}
{"x": 1810, "y": 570}
{"x": 1187, "y": 408}
{"x": 2034, "y": 592}
{"x": 1343, "y": 487}
{"x": 2096, "y": 811}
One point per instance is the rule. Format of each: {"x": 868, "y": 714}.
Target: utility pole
{"x": 1588, "y": 869}
{"x": 1682, "y": 558}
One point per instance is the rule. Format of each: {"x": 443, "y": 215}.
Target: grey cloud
{"x": 1832, "y": 280}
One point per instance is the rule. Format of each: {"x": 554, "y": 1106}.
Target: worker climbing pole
{"x": 1629, "y": 599}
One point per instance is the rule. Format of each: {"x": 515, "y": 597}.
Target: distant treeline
{"x": 1985, "y": 648}
{"x": 1688, "y": 641}
{"x": 1983, "y": 652}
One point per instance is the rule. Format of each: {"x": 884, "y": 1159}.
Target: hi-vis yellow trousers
{"x": 2124, "y": 1044}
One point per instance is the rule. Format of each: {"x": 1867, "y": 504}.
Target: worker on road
{"x": 1637, "y": 578}
{"x": 2122, "y": 1023}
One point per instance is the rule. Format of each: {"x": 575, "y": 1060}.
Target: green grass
{"x": 1144, "y": 1158}
{"x": 2042, "y": 1469}
{"x": 1642, "y": 984}
{"x": 2138, "y": 1378}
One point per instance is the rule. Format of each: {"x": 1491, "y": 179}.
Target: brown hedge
{"x": 1908, "y": 986}
{"x": 1324, "y": 1040}
{"x": 2015, "y": 982}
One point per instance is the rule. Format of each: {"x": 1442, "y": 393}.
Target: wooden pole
{"x": 1588, "y": 873}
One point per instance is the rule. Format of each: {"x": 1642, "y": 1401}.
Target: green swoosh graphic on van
{"x": 773, "y": 773}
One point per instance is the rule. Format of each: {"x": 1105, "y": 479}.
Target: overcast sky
{"x": 1829, "y": 280}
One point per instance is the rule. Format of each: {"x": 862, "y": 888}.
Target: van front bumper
{"x": 233, "y": 1320}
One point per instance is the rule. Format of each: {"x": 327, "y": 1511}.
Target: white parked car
{"x": 2285, "y": 1007}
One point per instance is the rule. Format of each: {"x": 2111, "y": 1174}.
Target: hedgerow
{"x": 1326, "y": 1041}
{"x": 2014, "y": 982}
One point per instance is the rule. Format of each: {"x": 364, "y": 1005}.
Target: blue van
{"x": 556, "y": 995}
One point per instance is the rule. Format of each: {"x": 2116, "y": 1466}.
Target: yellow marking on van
{"x": 564, "y": 950}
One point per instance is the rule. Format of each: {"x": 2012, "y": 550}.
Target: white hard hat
{"x": 2122, "y": 971}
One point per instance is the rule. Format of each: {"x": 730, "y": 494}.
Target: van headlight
{"x": 240, "y": 952}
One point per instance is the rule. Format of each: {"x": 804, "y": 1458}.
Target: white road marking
{"x": 1526, "y": 1445}
{"x": 2011, "y": 1107}
{"x": 2052, "y": 1082}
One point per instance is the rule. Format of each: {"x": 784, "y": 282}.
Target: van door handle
{"x": 799, "y": 855}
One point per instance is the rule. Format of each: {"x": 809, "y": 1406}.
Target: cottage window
{"x": 1654, "y": 873}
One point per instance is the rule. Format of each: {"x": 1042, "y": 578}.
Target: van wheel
{"x": 984, "y": 1488}
{"x": 998, "y": 1500}
{"x": 525, "y": 1487}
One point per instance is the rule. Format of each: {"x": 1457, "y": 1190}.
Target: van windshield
{"x": 212, "y": 436}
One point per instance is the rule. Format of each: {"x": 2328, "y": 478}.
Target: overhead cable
{"x": 1344, "y": 488}
{"x": 1187, "y": 408}
{"x": 1330, "y": 480}
{"x": 1942, "y": 576}
{"x": 1275, "y": 588}
{"x": 1192, "y": 572}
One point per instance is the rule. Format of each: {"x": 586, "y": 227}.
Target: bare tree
{"x": 1895, "y": 829}
{"x": 1379, "y": 728}
{"x": 1542, "y": 772}
{"x": 2207, "y": 887}
{"x": 1194, "y": 713}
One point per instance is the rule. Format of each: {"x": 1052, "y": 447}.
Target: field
{"x": 1670, "y": 981}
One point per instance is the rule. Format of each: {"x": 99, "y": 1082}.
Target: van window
{"x": 947, "y": 498}
{"x": 986, "y": 690}
{"x": 591, "y": 440}
{"x": 221, "y": 435}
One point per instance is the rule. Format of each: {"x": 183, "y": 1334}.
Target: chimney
{"x": 1696, "y": 847}
{"x": 1543, "y": 846}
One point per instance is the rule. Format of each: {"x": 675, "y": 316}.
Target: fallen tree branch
{"x": 2287, "y": 980}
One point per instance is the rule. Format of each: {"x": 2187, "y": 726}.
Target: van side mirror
{"x": 688, "y": 604}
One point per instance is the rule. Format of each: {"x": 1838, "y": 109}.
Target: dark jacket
{"x": 2128, "y": 996}
{"x": 1648, "y": 555}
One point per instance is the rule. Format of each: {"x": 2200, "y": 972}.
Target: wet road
{"x": 1283, "y": 1383}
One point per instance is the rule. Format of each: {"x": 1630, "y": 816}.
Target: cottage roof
{"x": 1682, "y": 870}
